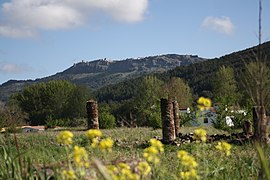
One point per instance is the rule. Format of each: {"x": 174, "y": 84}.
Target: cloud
{"x": 9, "y": 68}
{"x": 19, "y": 32}
{"x": 24, "y": 18}
{"x": 221, "y": 25}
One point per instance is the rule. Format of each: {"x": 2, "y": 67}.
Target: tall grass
{"x": 39, "y": 153}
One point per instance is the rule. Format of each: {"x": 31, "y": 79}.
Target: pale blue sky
{"x": 39, "y": 38}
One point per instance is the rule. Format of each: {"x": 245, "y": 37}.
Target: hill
{"x": 99, "y": 73}
{"x": 199, "y": 76}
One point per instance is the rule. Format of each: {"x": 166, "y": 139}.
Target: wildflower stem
{"x": 264, "y": 162}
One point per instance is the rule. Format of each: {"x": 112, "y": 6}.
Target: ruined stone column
{"x": 247, "y": 128}
{"x": 92, "y": 114}
{"x": 168, "y": 128}
{"x": 260, "y": 124}
{"x": 176, "y": 117}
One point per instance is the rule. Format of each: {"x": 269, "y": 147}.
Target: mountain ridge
{"x": 99, "y": 73}
{"x": 197, "y": 71}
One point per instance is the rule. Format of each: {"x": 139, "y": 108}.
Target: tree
{"x": 45, "y": 101}
{"x": 146, "y": 101}
{"x": 225, "y": 87}
{"x": 177, "y": 89}
{"x": 76, "y": 102}
{"x": 11, "y": 115}
{"x": 257, "y": 83}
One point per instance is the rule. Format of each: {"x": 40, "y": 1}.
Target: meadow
{"x": 40, "y": 156}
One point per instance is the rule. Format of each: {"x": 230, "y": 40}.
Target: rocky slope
{"x": 99, "y": 73}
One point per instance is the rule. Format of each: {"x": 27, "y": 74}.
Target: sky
{"x": 39, "y": 38}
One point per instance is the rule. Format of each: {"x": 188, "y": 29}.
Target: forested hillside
{"x": 199, "y": 76}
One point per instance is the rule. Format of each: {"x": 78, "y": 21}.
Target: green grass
{"x": 42, "y": 147}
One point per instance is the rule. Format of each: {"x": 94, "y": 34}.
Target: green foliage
{"x": 13, "y": 129}
{"x": 147, "y": 99}
{"x": 137, "y": 102}
{"x": 118, "y": 92}
{"x": 154, "y": 120}
{"x": 11, "y": 116}
{"x": 40, "y": 150}
{"x": 200, "y": 76}
{"x": 46, "y": 102}
{"x": 257, "y": 83}
{"x": 186, "y": 119}
{"x": 225, "y": 87}
{"x": 106, "y": 120}
{"x": 67, "y": 122}
{"x": 76, "y": 102}
{"x": 264, "y": 162}
{"x": 178, "y": 90}
{"x": 237, "y": 116}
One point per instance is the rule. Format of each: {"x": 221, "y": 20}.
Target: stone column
{"x": 92, "y": 114}
{"x": 247, "y": 128}
{"x": 168, "y": 128}
{"x": 176, "y": 117}
{"x": 260, "y": 124}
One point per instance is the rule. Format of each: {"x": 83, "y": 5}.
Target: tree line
{"x": 48, "y": 103}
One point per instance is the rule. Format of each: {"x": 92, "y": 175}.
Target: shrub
{"x": 106, "y": 120}
{"x": 74, "y": 122}
{"x": 154, "y": 120}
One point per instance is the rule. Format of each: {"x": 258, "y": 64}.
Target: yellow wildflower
{"x": 113, "y": 169}
{"x": 186, "y": 160}
{"x": 123, "y": 166}
{"x": 151, "y": 153}
{"x": 181, "y": 154}
{"x": 189, "y": 161}
{"x": 200, "y": 134}
{"x": 65, "y": 137}
{"x": 224, "y": 147}
{"x": 151, "y": 150}
{"x": 106, "y": 144}
{"x": 144, "y": 168}
{"x": 93, "y": 133}
{"x": 80, "y": 156}
{"x": 151, "y": 158}
{"x": 204, "y": 103}
{"x": 69, "y": 174}
{"x": 125, "y": 172}
{"x": 94, "y": 142}
{"x": 191, "y": 174}
{"x": 158, "y": 144}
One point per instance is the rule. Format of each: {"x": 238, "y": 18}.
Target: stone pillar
{"x": 168, "y": 128}
{"x": 92, "y": 114}
{"x": 247, "y": 128}
{"x": 260, "y": 124}
{"x": 176, "y": 117}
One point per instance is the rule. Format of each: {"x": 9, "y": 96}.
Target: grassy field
{"x": 41, "y": 149}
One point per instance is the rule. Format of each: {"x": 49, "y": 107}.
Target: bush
{"x": 106, "y": 120}
{"x": 74, "y": 122}
{"x": 187, "y": 119}
{"x": 154, "y": 120}
{"x": 13, "y": 129}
